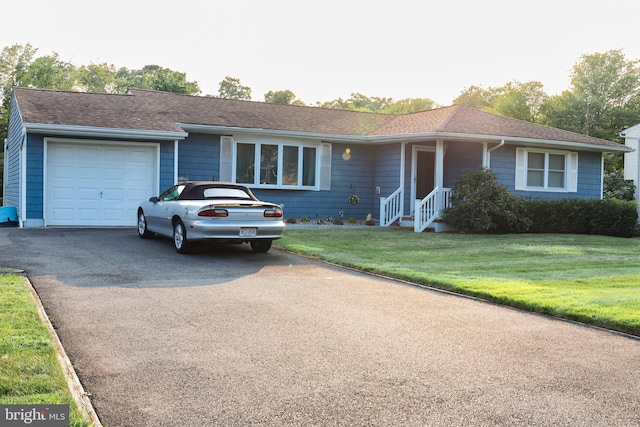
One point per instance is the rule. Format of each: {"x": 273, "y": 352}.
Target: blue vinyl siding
{"x": 348, "y": 177}
{"x": 460, "y": 157}
{"x": 387, "y": 172}
{"x": 199, "y": 156}
{"x": 503, "y": 162}
{"x": 35, "y": 177}
{"x": 11, "y": 194}
{"x": 167, "y": 155}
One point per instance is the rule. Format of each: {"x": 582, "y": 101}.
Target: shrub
{"x": 338, "y": 221}
{"x": 305, "y": 219}
{"x": 352, "y": 221}
{"x": 291, "y": 221}
{"x": 609, "y": 217}
{"x": 616, "y": 187}
{"x": 479, "y": 204}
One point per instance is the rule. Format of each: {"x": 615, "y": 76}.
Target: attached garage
{"x": 97, "y": 183}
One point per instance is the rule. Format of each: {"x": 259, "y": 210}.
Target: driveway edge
{"x": 80, "y": 396}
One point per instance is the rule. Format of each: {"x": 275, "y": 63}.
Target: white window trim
{"x": 300, "y": 144}
{"x": 570, "y": 170}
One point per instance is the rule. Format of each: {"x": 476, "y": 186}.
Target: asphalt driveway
{"x": 229, "y": 337}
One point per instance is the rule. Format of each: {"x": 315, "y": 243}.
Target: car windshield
{"x": 225, "y": 193}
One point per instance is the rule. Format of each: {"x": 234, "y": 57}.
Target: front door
{"x": 423, "y": 172}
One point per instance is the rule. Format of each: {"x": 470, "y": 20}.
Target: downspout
{"x": 488, "y": 156}
{"x": 23, "y": 178}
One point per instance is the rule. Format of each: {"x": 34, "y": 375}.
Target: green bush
{"x": 479, "y": 204}
{"x": 609, "y": 217}
{"x": 616, "y": 187}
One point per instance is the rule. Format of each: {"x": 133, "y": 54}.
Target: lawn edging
{"x": 80, "y": 396}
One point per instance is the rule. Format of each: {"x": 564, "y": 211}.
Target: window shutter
{"x": 226, "y": 159}
{"x": 521, "y": 171}
{"x": 325, "y": 166}
{"x": 572, "y": 176}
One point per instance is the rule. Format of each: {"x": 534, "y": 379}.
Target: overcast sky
{"x": 323, "y": 50}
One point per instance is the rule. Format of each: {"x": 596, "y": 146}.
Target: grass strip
{"x": 29, "y": 369}
{"x": 590, "y": 279}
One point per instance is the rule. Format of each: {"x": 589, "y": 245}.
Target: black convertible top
{"x": 194, "y": 190}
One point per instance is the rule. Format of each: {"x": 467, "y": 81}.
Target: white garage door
{"x": 90, "y": 184}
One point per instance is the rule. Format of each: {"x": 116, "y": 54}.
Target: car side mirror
{"x": 153, "y": 200}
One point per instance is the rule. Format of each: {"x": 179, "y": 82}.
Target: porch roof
{"x": 158, "y": 114}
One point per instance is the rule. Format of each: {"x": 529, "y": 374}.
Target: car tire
{"x": 260, "y": 246}
{"x": 180, "y": 241}
{"x": 143, "y": 232}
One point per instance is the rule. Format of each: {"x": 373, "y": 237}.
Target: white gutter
{"x": 388, "y": 139}
{"x": 100, "y": 132}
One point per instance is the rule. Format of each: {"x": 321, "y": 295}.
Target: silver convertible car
{"x": 214, "y": 211}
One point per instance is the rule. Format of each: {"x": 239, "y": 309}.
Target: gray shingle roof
{"x": 163, "y": 112}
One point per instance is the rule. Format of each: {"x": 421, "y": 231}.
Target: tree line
{"x": 603, "y": 97}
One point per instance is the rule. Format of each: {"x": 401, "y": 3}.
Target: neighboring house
{"x": 89, "y": 159}
{"x": 632, "y": 159}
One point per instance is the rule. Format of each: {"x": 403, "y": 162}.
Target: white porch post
{"x": 637, "y": 178}
{"x": 439, "y": 172}
{"x": 403, "y": 149}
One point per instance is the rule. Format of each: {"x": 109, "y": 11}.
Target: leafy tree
{"x": 231, "y": 88}
{"x": 282, "y": 97}
{"x": 409, "y": 105}
{"x": 97, "y": 78}
{"x": 49, "y": 72}
{"x": 155, "y": 77}
{"x": 359, "y": 102}
{"x": 476, "y": 97}
{"x": 517, "y": 100}
{"x": 14, "y": 65}
{"x": 520, "y": 100}
{"x": 603, "y": 99}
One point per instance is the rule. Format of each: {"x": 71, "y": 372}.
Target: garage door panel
{"x": 87, "y": 216}
{"x": 97, "y": 184}
{"x": 111, "y": 195}
{"x": 115, "y": 174}
{"x": 64, "y": 193}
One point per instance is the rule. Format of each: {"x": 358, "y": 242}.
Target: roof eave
{"x": 387, "y": 139}
{"x": 230, "y": 130}
{"x": 101, "y": 132}
{"x": 549, "y": 143}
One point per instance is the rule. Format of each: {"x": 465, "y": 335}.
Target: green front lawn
{"x": 29, "y": 369}
{"x": 592, "y": 279}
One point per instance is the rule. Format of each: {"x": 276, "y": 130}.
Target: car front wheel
{"x": 182, "y": 245}
{"x": 143, "y": 232}
{"x": 260, "y": 245}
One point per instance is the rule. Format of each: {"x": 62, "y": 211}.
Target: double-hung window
{"x": 540, "y": 170}
{"x": 277, "y": 164}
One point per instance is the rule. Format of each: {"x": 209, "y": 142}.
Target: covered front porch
{"x": 422, "y": 194}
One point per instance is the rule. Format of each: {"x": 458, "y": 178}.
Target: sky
{"x": 324, "y": 50}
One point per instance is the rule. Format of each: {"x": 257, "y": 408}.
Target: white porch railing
{"x": 428, "y": 209}
{"x": 391, "y": 208}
